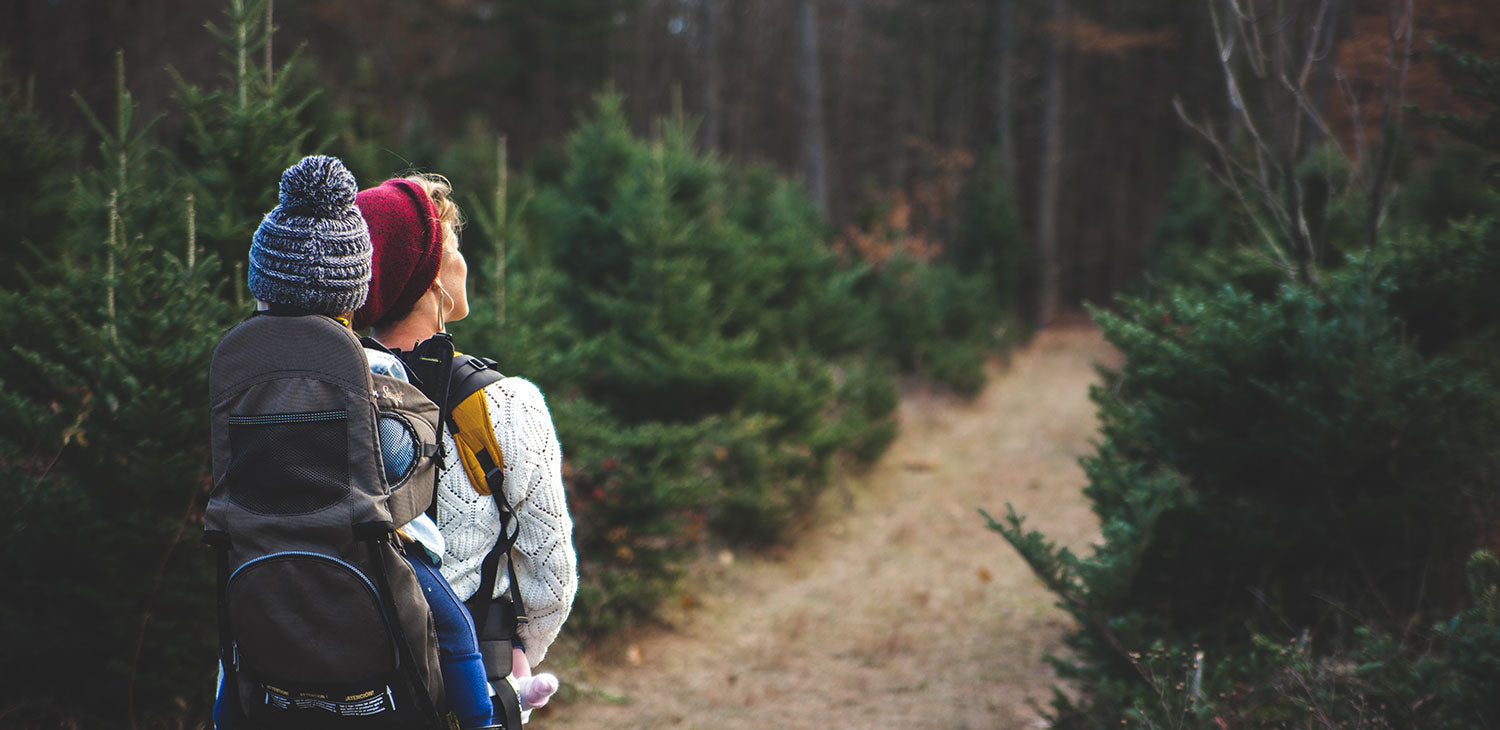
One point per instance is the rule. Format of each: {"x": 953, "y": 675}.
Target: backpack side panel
{"x": 404, "y": 401}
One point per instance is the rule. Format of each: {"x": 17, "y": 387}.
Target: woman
{"x": 419, "y": 283}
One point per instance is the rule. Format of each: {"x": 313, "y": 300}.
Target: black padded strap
{"x": 375, "y": 344}
{"x": 508, "y": 706}
{"x": 510, "y": 531}
{"x": 430, "y": 362}
{"x": 478, "y": 603}
{"x": 469, "y": 375}
{"x": 227, "y": 659}
{"x": 515, "y": 586}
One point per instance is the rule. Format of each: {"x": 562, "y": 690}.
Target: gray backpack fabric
{"x": 321, "y": 620}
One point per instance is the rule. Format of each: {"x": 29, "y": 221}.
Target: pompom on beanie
{"x": 407, "y": 241}
{"x": 312, "y": 251}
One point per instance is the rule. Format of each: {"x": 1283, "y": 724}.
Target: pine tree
{"x": 34, "y": 192}
{"x": 684, "y": 321}
{"x": 105, "y": 458}
{"x": 242, "y": 134}
{"x": 1288, "y": 480}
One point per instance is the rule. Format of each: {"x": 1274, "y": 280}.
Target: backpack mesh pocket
{"x": 288, "y": 463}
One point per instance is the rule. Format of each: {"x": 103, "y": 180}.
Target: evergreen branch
{"x": 1056, "y": 567}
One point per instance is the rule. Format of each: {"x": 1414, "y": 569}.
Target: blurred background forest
{"x": 716, "y": 233}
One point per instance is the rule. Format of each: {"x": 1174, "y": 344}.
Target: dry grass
{"x": 896, "y": 607}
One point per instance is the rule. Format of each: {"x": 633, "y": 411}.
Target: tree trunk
{"x": 1005, "y": 145}
{"x": 1050, "y": 294}
{"x": 712, "y": 80}
{"x": 810, "y": 84}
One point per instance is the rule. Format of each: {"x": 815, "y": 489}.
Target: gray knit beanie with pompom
{"x": 313, "y": 250}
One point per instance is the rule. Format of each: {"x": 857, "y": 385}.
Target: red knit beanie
{"x": 406, "y": 238}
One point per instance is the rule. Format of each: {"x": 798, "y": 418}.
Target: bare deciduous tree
{"x": 1272, "y": 55}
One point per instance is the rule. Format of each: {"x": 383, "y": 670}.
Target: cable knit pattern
{"x": 546, "y": 564}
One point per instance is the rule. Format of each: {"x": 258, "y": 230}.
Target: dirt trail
{"x": 897, "y": 608}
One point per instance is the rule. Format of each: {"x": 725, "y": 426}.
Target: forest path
{"x": 896, "y": 607}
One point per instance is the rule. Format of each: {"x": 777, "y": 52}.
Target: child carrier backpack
{"x": 454, "y": 381}
{"x": 321, "y": 620}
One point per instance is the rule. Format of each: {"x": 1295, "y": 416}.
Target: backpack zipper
{"x": 304, "y": 554}
{"x": 274, "y": 418}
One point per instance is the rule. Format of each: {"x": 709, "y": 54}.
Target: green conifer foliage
{"x": 1289, "y": 480}
{"x": 1479, "y": 79}
{"x": 989, "y": 240}
{"x": 704, "y": 351}
{"x": 34, "y": 190}
{"x": 1269, "y": 467}
{"x": 105, "y": 456}
{"x": 110, "y": 338}
{"x": 935, "y": 320}
{"x": 241, "y": 134}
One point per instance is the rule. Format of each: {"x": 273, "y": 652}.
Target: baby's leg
{"x": 458, "y": 654}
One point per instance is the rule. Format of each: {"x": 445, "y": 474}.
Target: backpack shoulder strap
{"x": 484, "y": 462}
{"x": 468, "y": 417}
{"x": 469, "y": 375}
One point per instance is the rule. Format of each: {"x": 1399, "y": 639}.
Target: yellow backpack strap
{"x": 478, "y": 450}
{"x": 484, "y": 463}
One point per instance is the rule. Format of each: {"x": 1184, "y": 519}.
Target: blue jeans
{"x": 464, "y": 682}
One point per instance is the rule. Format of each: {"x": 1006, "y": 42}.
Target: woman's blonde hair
{"x": 440, "y": 192}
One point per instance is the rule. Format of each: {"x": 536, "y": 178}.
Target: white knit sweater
{"x": 546, "y": 565}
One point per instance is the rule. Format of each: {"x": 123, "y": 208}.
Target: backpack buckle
{"x": 374, "y": 530}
